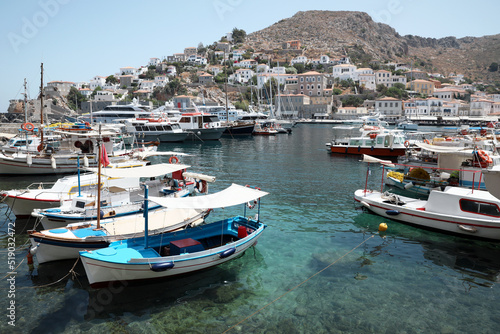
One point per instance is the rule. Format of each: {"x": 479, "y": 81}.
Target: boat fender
{"x": 227, "y": 252}
{"x": 359, "y": 148}
{"x": 371, "y": 148}
{"x": 252, "y": 204}
{"x": 30, "y": 258}
{"x": 158, "y": 267}
{"x": 366, "y": 205}
{"x": 53, "y": 162}
{"x": 469, "y": 229}
{"x": 392, "y": 212}
{"x": 29, "y": 159}
{"x": 33, "y": 250}
{"x": 409, "y": 185}
{"x": 101, "y": 214}
{"x": 346, "y": 149}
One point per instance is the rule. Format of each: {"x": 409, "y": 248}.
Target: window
{"x": 482, "y": 208}
{"x": 312, "y": 79}
{"x": 301, "y": 79}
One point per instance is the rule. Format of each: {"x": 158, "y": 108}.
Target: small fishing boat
{"x": 166, "y": 179}
{"x": 182, "y": 252}
{"x": 461, "y": 211}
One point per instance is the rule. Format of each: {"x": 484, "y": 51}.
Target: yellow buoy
{"x": 382, "y": 227}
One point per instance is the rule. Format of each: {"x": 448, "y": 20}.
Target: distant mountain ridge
{"x": 340, "y": 32}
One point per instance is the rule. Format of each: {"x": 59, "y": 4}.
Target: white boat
{"x": 163, "y": 179}
{"x": 186, "y": 251}
{"x": 407, "y": 125}
{"x": 113, "y": 113}
{"x": 201, "y": 126}
{"x": 65, "y": 242}
{"x": 154, "y": 129}
{"x": 457, "y": 210}
{"x": 44, "y": 195}
{"x": 64, "y": 158}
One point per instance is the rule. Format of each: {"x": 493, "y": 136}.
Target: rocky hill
{"x": 356, "y": 34}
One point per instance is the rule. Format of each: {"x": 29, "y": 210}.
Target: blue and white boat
{"x": 181, "y": 252}
{"x": 166, "y": 179}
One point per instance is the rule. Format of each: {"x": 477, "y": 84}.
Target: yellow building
{"x": 421, "y": 86}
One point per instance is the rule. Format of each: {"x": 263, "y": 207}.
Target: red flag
{"x": 104, "y": 156}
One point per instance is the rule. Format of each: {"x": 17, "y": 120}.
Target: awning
{"x": 444, "y": 149}
{"x": 231, "y": 196}
{"x": 370, "y": 159}
{"x": 145, "y": 171}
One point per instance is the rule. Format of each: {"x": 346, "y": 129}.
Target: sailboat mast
{"x": 25, "y": 103}
{"x": 225, "y": 87}
{"x": 99, "y": 142}
{"x": 41, "y": 105}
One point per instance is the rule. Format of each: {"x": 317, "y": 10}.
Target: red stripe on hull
{"x": 381, "y": 152}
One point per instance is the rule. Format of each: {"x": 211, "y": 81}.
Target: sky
{"x": 77, "y": 40}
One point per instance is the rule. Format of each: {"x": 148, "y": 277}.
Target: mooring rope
{"x": 298, "y": 285}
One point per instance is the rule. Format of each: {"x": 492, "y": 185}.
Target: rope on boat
{"x": 70, "y": 272}
{"x": 298, "y": 285}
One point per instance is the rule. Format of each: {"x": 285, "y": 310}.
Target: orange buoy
{"x": 382, "y": 227}
{"x": 30, "y": 258}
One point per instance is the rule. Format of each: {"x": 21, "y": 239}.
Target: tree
{"x": 111, "y": 80}
{"x": 239, "y": 35}
{"x": 300, "y": 68}
{"x": 75, "y": 98}
{"x": 337, "y": 91}
{"x": 352, "y": 101}
{"x": 98, "y": 88}
{"x": 493, "y": 67}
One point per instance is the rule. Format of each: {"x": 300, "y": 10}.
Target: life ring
{"x": 206, "y": 126}
{"x": 484, "y": 156}
{"x": 201, "y": 186}
{"x": 407, "y": 143}
{"x": 28, "y": 126}
{"x": 39, "y": 148}
{"x": 427, "y": 141}
{"x": 173, "y": 160}
{"x": 252, "y": 204}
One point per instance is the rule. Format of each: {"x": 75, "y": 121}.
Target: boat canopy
{"x": 145, "y": 171}
{"x": 233, "y": 195}
{"x": 147, "y": 154}
{"x": 370, "y": 159}
{"x": 444, "y": 149}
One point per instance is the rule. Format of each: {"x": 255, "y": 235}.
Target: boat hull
{"x": 376, "y": 152}
{"x": 102, "y": 273}
{"x": 22, "y": 207}
{"x": 205, "y": 134}
{"x": 485, "y": 228}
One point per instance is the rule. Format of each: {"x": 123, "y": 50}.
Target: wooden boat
{"x": 65, "y": 242}
{"x": 166, "y": 179}
{"x": 373, "y": 140}
{"x": 182, "y": 252}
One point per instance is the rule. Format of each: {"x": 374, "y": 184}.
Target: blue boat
{"x": 181, "y": 252}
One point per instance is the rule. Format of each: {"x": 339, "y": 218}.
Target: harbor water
{"x": 321, "y": 265}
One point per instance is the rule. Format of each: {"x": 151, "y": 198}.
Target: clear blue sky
{"x": 77, "y": 40}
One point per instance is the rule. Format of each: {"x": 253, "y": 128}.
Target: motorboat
{"x": 182, "y": 252}
{"x": 201, "y": 126}
{"x": 457, "y": 210}
{"x": 373, "y": 140}
{"x": 155, "y": 129}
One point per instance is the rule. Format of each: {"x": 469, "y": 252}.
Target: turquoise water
{"x": 320, "y": 267}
